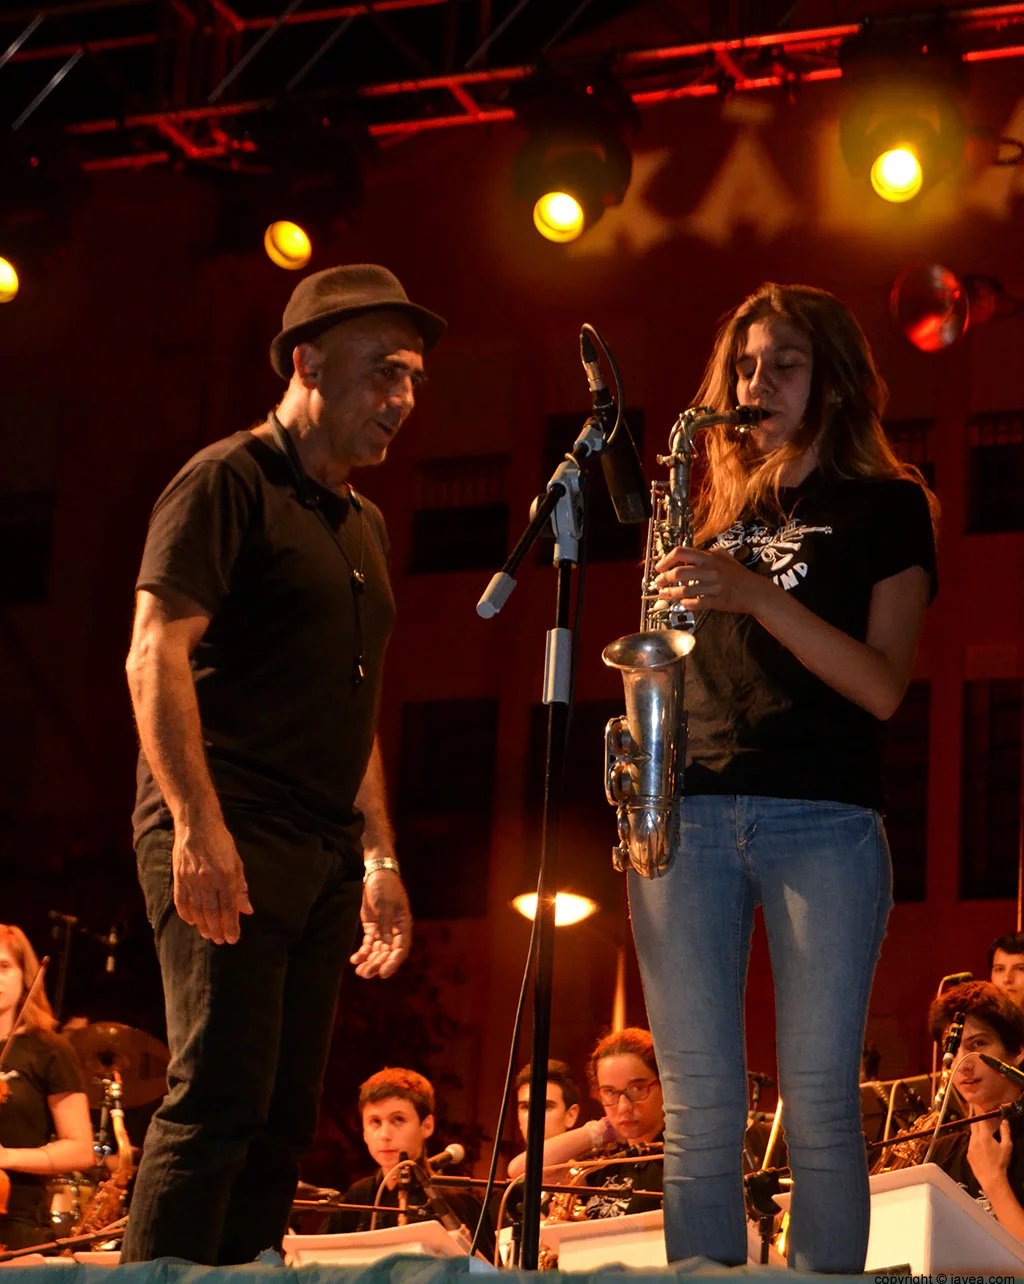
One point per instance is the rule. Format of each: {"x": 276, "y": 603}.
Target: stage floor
{"x": 392, "y": 1270}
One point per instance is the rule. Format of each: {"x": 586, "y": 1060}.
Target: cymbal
{"x": 140, "y": 1059}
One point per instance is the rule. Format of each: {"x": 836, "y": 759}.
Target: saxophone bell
{"x": 641, "y": 749}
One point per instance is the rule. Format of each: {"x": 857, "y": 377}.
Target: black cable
{"x": 581, "y": 581}
{"x": 606, "y": 352}
{"x": 506, "y": 1091}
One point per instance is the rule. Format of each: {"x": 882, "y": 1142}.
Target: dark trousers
{"x": 249, "y": 1028}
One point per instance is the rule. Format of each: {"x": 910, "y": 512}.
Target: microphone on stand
{"x": 1014, "y": 1075}
{"x": 620, "y": 463}
{"x": 453, "y": 1154}
{"x": 404, "y": 1182}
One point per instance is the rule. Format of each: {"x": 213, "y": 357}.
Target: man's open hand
{"x": 387, "y": 926}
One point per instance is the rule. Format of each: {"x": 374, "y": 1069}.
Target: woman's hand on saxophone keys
{"x": 712, "y": 581}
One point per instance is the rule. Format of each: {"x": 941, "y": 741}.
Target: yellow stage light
{"x": 558, "y": 216}
{"x": 896, "y": 175}
{"x": 287, "y": 245}
{"x": 8, "y": 281}
{"x": 569, "y": 908}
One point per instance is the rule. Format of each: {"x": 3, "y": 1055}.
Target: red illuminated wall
{"x": 140, "y": 349}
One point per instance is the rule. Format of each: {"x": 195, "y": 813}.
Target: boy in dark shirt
{"x": 987, "y": 1159}
{"x": 397, "y": 1109}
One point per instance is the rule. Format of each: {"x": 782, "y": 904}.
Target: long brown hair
{"x": 843, "y": 419}
{"x": 38, "y": 1012}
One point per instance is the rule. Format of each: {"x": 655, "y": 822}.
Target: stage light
{"x": 288, "y": 245}
{"x": 896, "y": 175}
{"x": 569, "y": 907}
{"x": 933, "y": 307}
{"x": 558, "y": 216}
{"x": 8, "y": 280}
{"x": 903, "y": 130}
{"x": 575, "y": 163}
{"x": 292, "y": 181}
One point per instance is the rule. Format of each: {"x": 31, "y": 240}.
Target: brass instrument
{"x": 108, "y": 1203}
{"x": 572, "y": 1207}
{"x": 645, "y": 748}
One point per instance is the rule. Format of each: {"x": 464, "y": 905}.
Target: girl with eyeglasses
{"x": 623, "y": 1077}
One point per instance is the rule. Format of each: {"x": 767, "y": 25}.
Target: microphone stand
{"x": 564, "y": 504}
{"x": 404, "y": 1182}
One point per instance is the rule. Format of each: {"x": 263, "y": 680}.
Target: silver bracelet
{"x": 375, "y": 863}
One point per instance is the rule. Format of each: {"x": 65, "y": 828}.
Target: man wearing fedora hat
{"x": 263, "y": 610}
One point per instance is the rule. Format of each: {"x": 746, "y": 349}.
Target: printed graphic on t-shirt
{"x": 777, "y": 550}
{"x": 6, "y": 1075}
{"x": 610, "y": 1205}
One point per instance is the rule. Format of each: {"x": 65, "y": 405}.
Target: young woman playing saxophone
{"x": 813, "y": 563}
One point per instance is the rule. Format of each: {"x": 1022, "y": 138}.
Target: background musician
{"x": 987, "y": 1159}
{"x": 813, "y": 563}
{"x": 397, "y": 1109}
{"x": 623, "y": 1076}
{"x": 562, "y": 1106}
{"x": 44, "y": 1121}
{"x": 1006, "y": 964}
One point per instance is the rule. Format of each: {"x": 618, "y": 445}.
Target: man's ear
{"x": 307, "y": 361}
{"x": 571, "y": 1115}
{"x": 427, "y": 1126}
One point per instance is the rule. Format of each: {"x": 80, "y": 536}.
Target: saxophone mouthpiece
{"x": 749, "y": 415}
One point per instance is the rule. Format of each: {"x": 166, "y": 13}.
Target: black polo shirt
{"x": 286, "y": 730}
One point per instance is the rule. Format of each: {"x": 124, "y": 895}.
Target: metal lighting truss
{"x": 169, "y": 73}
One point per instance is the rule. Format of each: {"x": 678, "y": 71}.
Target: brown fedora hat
{"x": 325, "y": 298}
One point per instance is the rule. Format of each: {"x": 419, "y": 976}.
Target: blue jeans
{"x": 822, "y": 875}
{"x": 249, "y": 1028}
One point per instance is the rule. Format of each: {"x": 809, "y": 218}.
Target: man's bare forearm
{"x": 167, "y": 716}
{"x": 372, "y": 801}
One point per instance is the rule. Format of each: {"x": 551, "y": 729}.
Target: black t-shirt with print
{"x": 285, "y": 729}
{"x": 39, "y": 1065}
{"x": 636, "y": 1169}
{"x": 761, "y": 723}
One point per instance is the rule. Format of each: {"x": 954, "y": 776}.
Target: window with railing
{"x": 911, "y": 439}
{"x": 995, "y": 473}
{"x": 991, "y": 788}
{"x": 460, "y": 514}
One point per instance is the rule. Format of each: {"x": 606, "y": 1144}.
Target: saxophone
{"x": 645, "y": 749}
